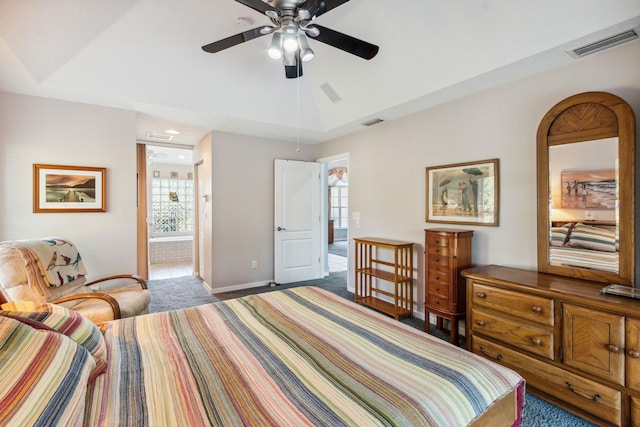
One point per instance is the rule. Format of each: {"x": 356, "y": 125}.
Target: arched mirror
{"x": 586, "y": 175}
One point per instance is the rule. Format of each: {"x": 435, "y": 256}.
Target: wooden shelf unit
{"x": 371, "y": 268}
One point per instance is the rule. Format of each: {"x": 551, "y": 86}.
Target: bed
{"x": 592, "y": 246}
{"x": 295, "y": 357}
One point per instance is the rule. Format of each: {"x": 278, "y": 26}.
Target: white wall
{"x": 387, "y": 162}
{"x": 36, "y": 130}
{"x": 242, "y": 206}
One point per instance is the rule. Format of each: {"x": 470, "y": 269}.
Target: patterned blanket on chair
{"x": 58, "y": 259}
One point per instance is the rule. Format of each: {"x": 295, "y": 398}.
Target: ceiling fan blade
{"x": 344, "y": 42}
{"x": 318, "y": 7}
{"x": 257, "y": 5}
{"x": 233, "y": 40}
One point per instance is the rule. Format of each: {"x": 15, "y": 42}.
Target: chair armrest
{"x": 139, "y": 279}
{"x": 115, "y": 307}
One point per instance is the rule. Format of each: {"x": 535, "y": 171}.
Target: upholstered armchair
{"x": 51, "y": 270}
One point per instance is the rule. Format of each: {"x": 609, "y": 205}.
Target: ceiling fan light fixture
{"x": 291, "y": 25}
{"x": 290, "y": 42}
{"x": 275, "y": 50}
{"x": 303, "y": 15}
{"x": 306, "y": 53}
{"x": 272, "y": 14}
{"x": 289, "y": 58}
{"x": 312, "y": 31}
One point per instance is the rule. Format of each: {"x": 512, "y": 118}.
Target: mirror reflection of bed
{"x": 584, "y": 244}
{"x": 583, "y": 205}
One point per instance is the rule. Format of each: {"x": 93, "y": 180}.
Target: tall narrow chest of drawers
{"x": 447, "y": 253}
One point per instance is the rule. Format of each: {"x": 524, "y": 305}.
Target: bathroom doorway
{"x": 170, "y": 211}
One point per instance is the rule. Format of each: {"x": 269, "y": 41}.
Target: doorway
{"x": 170, "y": 211}
{"x": 338, "y": 214}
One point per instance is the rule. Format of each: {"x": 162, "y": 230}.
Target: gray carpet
{"x": 170, "y": 294}
{"x": 182, "y": 292}
{"x": 339, "y": 247}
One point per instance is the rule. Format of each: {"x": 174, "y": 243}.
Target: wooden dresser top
{"x": 551, "y": 286}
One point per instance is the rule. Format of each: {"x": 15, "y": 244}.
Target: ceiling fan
{"x": 292, "y": 22}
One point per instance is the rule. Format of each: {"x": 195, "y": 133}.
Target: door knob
{"x": 281, "y": 229}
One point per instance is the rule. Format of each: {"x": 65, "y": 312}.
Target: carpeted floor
{"x": 171, "y": 294}
{"x": 339, "y": 247}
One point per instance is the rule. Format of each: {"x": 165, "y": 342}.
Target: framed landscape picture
{"x": 589, "y": 189}
{"x": 59, "y": 189}
{"x": 463, "y": 193}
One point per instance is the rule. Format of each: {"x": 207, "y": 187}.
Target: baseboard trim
{"x": 240, "y": 287}
{"x": 207, "y": 287}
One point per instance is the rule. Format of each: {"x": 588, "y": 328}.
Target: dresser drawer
{"x": 440, "y": 275}
{"x": 437, "y": 240}
{"x": 438, "y": 258}
{"x": 590, "y": 396}
{"x": 438, "y": 301}
{"x": 529, "y": 307}
{"x": 441, "y": 251}
{"x": 438, "y": 288}
{"x": 519, "y": 335}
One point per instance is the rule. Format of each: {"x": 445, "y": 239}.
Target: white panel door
{"x": 297, "y": 221}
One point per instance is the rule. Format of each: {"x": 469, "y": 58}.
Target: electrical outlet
{"x": 254, "y": 264}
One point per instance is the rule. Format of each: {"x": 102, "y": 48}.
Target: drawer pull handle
{"x": 536, "y": 341}
{"x": 581, "y": 394}
{"x": 481, "y": 295}
{"x": 633, "y": 354}
{"x": 536, "y": 309}
{"x": 437, "y": 242}
{"x": 437, "y": 289}
{"x": 437, "y": 258}
{"x": 614, "y": 348}
{"x": 483, "y": 351}
{"x": 480, "y": 322}
{"x": 437, "y": 267}
{"x": 437, "y": 277}
{"x": 437, "y": 251}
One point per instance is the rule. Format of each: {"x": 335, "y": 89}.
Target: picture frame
{"x": 589, "y": 189}
{"x": 463, "y": 193}
{"x": 66, "y": 189}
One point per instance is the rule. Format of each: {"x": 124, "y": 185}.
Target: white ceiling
{"x": 145, "y": 55}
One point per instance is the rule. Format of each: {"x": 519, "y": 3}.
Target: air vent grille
{"x": 603, "y": 44}
{"x": 372, "y": 122}
{"x": 159, "y": 136}
{"x": 331, "y": 93}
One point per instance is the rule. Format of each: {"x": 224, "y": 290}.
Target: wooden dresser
{"x": 576, "y": 347}
{"x": 447, "y": 253}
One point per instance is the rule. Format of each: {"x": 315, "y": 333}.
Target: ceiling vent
{"x": 159, "y": 136}
{"x": 604, "y": 44}
{"x": 372, "y": 122}
{"x": 331, "y": 93}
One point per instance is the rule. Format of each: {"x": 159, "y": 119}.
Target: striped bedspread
{"x": 585, "y": 258}
{"x": 293, "y": 357}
